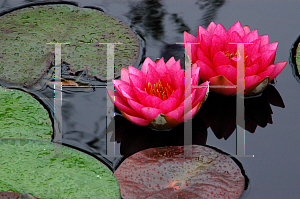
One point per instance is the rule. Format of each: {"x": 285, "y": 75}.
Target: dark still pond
{"x": 271, "y": 118}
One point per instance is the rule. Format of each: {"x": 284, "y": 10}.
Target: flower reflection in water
{"x": 219, "y": 112}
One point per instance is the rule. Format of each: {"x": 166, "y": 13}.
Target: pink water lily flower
{"x": 155, "y": 95}
{"x": 217, "y": 56}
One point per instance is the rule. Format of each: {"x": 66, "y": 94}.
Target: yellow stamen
{"x": 159, "y": 90}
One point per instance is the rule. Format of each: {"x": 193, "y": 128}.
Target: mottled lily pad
{"x": 22, "y": 116}
{"x": 25, "y": 55}
{"x": 298, "y": 58}
{"x": 165, "y": 172}
{"x": 29, "y": 166}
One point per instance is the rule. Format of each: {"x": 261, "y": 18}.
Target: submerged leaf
{"x": 166, "y": 172}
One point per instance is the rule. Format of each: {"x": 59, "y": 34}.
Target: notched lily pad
{"x": 165, "y": 172}
{"x": 25, "y": 55}
{"x": 22, "y": 116}
{"x": 31, "y": 166}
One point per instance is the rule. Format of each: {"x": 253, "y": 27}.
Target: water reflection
{"x": 219, "y": 112}
{"x": 134, "y": 138}
{"x": 146, "y": 17}
{"x": 211, "y": 7}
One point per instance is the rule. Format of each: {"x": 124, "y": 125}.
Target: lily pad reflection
{"x": 165, "y": 172}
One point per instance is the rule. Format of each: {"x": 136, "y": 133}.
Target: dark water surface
{"x": 272, "y": 120}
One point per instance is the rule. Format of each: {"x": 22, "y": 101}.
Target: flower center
{"x": 235, "y": 56}
{"x": 159, "y": 90}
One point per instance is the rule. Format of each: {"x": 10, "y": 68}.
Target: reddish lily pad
{"x": 14, "y": 195}
{"x": 25, "y": 55}
{"x": 165, "y": 172}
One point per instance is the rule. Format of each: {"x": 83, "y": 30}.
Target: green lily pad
{"x": 25, "y": 55}
{"x": 22, "y": 116}
{"x": 29, "y": 166}
{"x": 298, "y": 58}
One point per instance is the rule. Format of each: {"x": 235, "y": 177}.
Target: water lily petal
{"x": 251, "y": 49}
{"x": 251, "y": 36}
{"x": 137, "y": 107}
{"x": 237, "y": 27}
{"x": 221, "y": 32}
{"x": 203, "y": 58}
{"x": 121, "y": 104}
{"x": 168, "y": 105}
{"x": 166, "y": 79}
{"x": 140, "y": 94}
{"x": 278, "y": 68}
{"x": 177, "y": 94}
{"x": 222, "y": 81}
{"x": 161, "y": 67}
{"x": 127, "y": 91}
{"x": 251, "y": 70}
{"x": 152, "y": 76}
{"x": 191, "y": 113}
{"x": 136, "y": 120}
{"x": 200, "y": 93}
{"x": 124, "y": 75}
{"x": 227, "y": 71}
{"x": 190, "y": 49}
{"x": 145, "y": 65}
{"x": 246, "y": 29}
{"x": 150, "y": 113}
{"x": 264, "y": 39}
{"x": 117, "y": 83}
{"x": 176, "y": 79}
{"x": 267, "y": 72}
{"x": 220, "y": 59}
{"x": 231, "y": 46}
{"x": 152, "y": 101}
{"x": 137, "y": 72}
{"x": 255, "y": 59}
{"x": 170, "y": 62}
{"x": 267, "y": 58}
{"x": 217, "y": 45}
{"x": 267, "y": 47}
{"x": 195, "y": 74}
{"x": 177, "y": 113}
{"x": 211, "y": 28}
{"x": 174, "y": 68}
{"x": 136, "y": 81}
{"x": 201, "y": 31}
{"x": 205, "y": 43}
{"x": 205, "y": 71}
